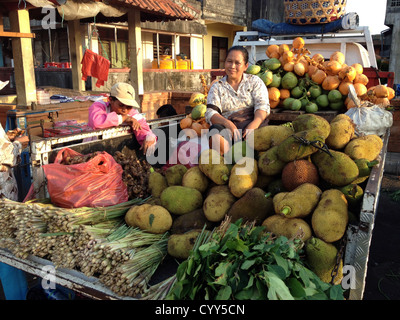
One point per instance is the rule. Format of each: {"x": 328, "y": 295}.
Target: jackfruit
{"x": 155, "y": 219}
{"x": 189, "y": 221}
{"x": 337, "y": 169}
{"x": 298, "y": 203}
{"x": 238, "y": 151}
{"x": 180, "y": 245}
{"x": 130, "y": 214}
{"x": 194, "y": 178}
{"x": 291, "y": 228}
{"x": 342, "y": 131}
{"x": 175, "y": 174}
{"x": 217, "y": 203}
{"x": 330, "y": 217}
{"x": 263, "y": 138}
{"x": 181, "y": 200}
{"x": 255, "y": 205}
{"x": 269, "y": 163}
{"x": 366, "y": 147}
{"x": 297, "y": 172}
{"x": 322, "y": 258}
{"x": 157, "y": 183}
{"x": 309, "y": 121}
{"x": 212, "y": 164}
{"x": 243, "y": 176}
{"x": 298, "y": 145}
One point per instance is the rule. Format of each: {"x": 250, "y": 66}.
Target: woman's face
{"x": 119, "y": 108}
{"x": 235, "y": 64}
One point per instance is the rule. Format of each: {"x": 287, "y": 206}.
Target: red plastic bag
{"x": 95, "y": 183}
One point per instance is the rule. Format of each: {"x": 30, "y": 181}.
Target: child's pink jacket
{"x": 99, "y": 118}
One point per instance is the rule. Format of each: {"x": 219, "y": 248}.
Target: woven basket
{"x": 302, "y": 12}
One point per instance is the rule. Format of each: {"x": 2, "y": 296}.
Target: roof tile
{"x": 163, "y": 7}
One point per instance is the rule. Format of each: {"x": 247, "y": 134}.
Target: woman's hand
{"x": 219, "y": 119}
{"x": 24, "y": 140}
{"x": 148, "y": 146}
{"x": 133, "y": 123}
{"x": 250, "y": 127}
{"x": 259, "y": 117}
{"x": 234, "y": 130}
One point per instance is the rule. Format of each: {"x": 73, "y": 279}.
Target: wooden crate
{"x": 394, "y": 138}
{"x": 3, "y": 113}
{"x": 282, "y": 115}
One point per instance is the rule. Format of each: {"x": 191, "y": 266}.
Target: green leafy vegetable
{"x": 244, "y": 262}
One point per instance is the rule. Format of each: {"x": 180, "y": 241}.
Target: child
{"x": 122, "y": 108}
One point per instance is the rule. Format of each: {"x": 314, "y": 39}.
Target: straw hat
{"x": 125, "y": 93}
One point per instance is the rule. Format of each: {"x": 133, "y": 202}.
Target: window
{"x": 165, "y": 44}
{"x": 184, "y": 45}
{"x": 395, "y": 3}
{"x": 113, "y": 45}
{"x": 219, "y": 51}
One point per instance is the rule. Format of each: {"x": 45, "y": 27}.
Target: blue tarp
{"x": 348, "y": 21}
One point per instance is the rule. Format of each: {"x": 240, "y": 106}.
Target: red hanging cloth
{"x": 96, "y": 66}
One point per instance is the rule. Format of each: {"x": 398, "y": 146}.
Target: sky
{"x": 371, "y": 13}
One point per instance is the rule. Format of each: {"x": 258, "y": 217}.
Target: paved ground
{"x": 383, "y": 272}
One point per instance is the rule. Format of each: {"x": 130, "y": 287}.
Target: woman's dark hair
{"x": 242, "y": 49}
{"x": 166, "y": 110}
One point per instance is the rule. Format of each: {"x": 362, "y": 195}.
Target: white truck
{"x": 347, "y": 41}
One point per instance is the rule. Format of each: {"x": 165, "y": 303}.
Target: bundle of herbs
{"x": 241, "y": 261}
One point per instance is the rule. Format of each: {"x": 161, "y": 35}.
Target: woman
{"x": 236, "y": 91}
{"x": 11, "y": 147}
{"x": 13, "y": 280}
{"x": 122, "y": 108}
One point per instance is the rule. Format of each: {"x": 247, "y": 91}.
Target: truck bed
{"x": 356, "y": 247}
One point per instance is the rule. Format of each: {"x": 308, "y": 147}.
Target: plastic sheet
{"x": 348, "y": 21}
{"x": 368, "y": 118}
{"x": 371, "y": 119}
{"x": 76, "y": 9}
{"x": 95, "y": 183}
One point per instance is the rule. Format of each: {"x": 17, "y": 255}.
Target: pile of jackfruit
{"x": 304, "y": 179}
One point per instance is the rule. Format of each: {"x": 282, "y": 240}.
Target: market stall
{"x": 131, "y": 249}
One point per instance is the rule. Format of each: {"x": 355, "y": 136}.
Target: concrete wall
{"x": 218, "y": 30}
{"x": 271, "y": 10}
{"x": 392, "y": 20}
{"x": 226, "y": 11}
{"x": 153, "y": 80}
{"x": 174, "y": 80}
